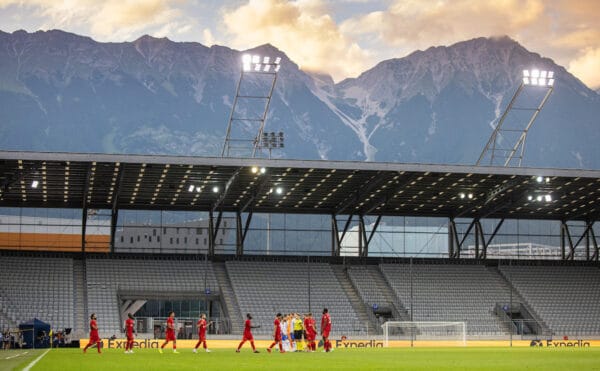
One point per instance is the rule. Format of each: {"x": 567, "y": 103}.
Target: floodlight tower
{"x": 506, "y": 145}
{"x": 262, "y": 72}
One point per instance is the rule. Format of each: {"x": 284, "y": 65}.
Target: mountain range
{"x": 64, "y": 92}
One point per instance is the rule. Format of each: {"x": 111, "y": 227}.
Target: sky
{"x": 339, "y": 37}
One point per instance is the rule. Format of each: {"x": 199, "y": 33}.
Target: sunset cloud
{"x": 303, "y": 29}
{"x": 108, "y": 20}
{"x": 586, "y": 67}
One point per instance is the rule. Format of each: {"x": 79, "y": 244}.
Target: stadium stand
{"x": 265, "y": 288}
{"x": 449, "y": 292}
{"x": 374, "y": 290}
{"x": 567, "y": 298}
{"x": 36, "y": 287}
{"x": 107, "y": 276}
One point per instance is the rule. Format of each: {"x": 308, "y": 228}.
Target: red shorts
{"x": 277, "y": 336}
{"x": 248, "y": 337}
{"x": 170, "y": 336}
{"x": 310, "y": 336}
{"x": 201, "y": 337}
{"x": 130, "y": 337}
{"x": 326, "y": 333}
{"x": 94, "y": 338}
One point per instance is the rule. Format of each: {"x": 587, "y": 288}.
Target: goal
{"x": 425, "y": 333}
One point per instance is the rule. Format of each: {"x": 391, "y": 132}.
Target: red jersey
{"x": 277, "y": 325}
{"x": 248, "y": 328}
{"x": 201, "y": 328}
{"x": 309, "y": 324}
{"x": 129, "y": 327}
{"x": 170, "y": 325}
{"x": 325, "y": 323}
{"x": 93, "y": 328}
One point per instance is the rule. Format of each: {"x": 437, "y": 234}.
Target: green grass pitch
{"x": 341, "y": 359}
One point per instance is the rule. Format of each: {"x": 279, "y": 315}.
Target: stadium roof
{"x": 103, "y": 181}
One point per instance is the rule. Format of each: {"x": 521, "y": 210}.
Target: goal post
{"x": 425, "y": 332}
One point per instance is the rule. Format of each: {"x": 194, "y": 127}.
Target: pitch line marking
{"x": 29, "y": 366}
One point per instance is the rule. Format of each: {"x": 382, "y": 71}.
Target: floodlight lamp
{"x": 550, "y": 74}
{"x": 470, "y": 196}
{"x": 548, "y": 198}
{"x": 525, "y": 73}
{"x": 542, "y": 81}
{"x": 215, "y": 189}
{"x": 279, "y": 190}
{"x": 247, "y": 67}
{"x": 266, "y": 60}
{"x": 257, "y": 67}
{"x": 277, "y": 68}
{"x": 535, "y": 73}
{"x": 256, "y": 59}
{"x": 543, "y": 74}
{"x": 550, "y": 82}
{"x": 254, "y": 170}
{"x": 461, "y": 195}
{"x": 267, "y": 67}
{"x": 547, "y": 179}
{"x": 534, "y": 81}
{"x": 539, "y": 198}
{"x": 35, "y": 184}
{"x": 191, "y": 188}
{"x": 529, "y": 198}
{"x": 539, "y": 179}
{"x": 263, "y": 170}
{"x": 277, "y": 60}
{"x": 198, "y": 189}
{"x": 526, "y": 80}
{"x": 246, "y": 59}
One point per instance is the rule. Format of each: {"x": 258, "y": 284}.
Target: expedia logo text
{"x": 118, "y": 344}
{"x": 560, "y": 344}
{"x": 358, "y": 344}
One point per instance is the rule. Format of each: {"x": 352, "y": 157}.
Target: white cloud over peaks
{"x": 109, "y": 20}
{"x": 414, "y": 24}
{"x": 587, "y": 67}
{"x": 303, "y": 29}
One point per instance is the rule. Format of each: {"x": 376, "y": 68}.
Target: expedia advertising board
{"x": 352, "y": 344}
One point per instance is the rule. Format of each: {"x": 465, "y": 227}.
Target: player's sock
{"x": 197, "y": 345}
{"x": 280, "y": 347}
{"x": 253, "y": 347}
{"x": 98, "y": 345}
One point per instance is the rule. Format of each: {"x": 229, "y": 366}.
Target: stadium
{"x": 417, "y": 266}
{"x": 447, "y": 256}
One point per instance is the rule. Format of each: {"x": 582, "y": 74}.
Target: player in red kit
{"x": 201, "y": 324}
{"x": 276, "y": 334}
{"x": 170, "y": 333}
{"x": 248, "y": 334}
{"x": 311, "y": 332}
{"x": 129, "y": 324}
{"x": 94, "y": 337}
{"x": 326, "y": 329}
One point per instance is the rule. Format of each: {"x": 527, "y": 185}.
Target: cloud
{"x": 586, "y": 67}
{"x": 303, "y": 29}
{"x": 109, "y": 20}
{"x": 412, "y": 24}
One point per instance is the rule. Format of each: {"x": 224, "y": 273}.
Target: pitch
{"x": 341, "y": 359}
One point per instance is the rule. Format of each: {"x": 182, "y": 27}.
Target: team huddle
{"x": 290, "y": 332}
{"x": 293, "y": 334}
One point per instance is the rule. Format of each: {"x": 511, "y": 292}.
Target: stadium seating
{"x": 36, "y": 287}
{"x": 448, "y": 292}
{"x": 106, "y": 276}
{"x": 265, "y": 288}
{"x": 567, "y": 298}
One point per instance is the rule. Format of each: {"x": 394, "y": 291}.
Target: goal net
{"x": 425, "y": 333}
